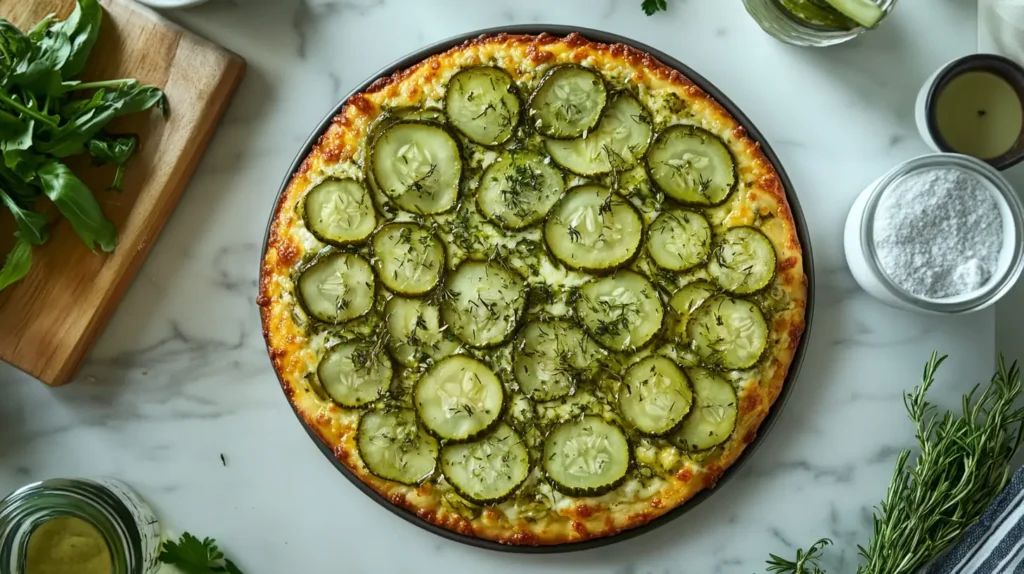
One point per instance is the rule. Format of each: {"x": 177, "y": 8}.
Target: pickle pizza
{"x": 536, "y": 290}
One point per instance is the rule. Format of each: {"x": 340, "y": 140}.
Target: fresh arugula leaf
{"x": 194, "y": 556}
{"x": 17, "y": 265}
{"x": 32, "y": 227}
{"x": 132, "y": 97}
{"x": 47, "y": 114}
{"x": 83, "y": 28}
{"x": 20, "y": 190}
{"x": 76, "y": 203}
{"x": 72, "y": 137}
{"x": 40, "y": 71}
{"x": 23, "y": 163}
{"x": 652, "y": 6}
{"x": 13, "y": 45}
{"x": 15, "y": 133}
{"x": 76, "y": 108}
{"x": 112, "y": 149}
{"x": 39, "y": 30}
{"x": 17, "y": 105}
{"x": 68, "y": 141}
{"x": 116, "y": 150}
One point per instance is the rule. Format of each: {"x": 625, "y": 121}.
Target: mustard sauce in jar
{"x": 67, "y": 545}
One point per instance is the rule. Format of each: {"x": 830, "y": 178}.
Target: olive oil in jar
{"x": 980, "y": 114}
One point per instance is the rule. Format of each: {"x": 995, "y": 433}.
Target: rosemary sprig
{"x": 963, "y": 464}
{"x": 805, "y": 563}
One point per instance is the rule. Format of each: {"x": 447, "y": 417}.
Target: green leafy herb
{"x": 77, "y": 204}
{"x": 522, "y": 184}
{"x": 32, "y": 226}
{"x": 116, "y": 151}
{"x": 194, "y": 556}
{"x": 18, "y": 262}
{"x": 805, "y": 563}
{"x": 652, "y": 6}
{"x": 964, "y": 462}
{"x": 46, "y": 115}
{"x": 82, "y": 28}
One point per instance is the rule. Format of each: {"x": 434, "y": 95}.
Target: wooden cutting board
{"x": 49, "y": 321}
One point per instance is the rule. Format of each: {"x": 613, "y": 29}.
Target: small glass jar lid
{"x": 126, "y": 523}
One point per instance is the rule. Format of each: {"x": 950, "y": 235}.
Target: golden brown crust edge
{"x": 340, "y": 143}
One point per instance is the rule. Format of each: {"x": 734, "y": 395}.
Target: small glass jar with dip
{"x": 78, "y": 526}
{"x": 817, "y": 23}
{"x": 975, "y": 106}
{"x": 897, "y": 204}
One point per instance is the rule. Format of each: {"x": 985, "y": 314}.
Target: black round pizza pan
{"x": 801, "y": 229}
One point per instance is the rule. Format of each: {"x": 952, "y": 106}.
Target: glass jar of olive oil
{"x": 77, "y": 526}
{"x": 817, "y": 23}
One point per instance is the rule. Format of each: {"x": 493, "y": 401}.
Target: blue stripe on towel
{"x": 995, "y": 545}
{"x": 986, "y": 537}
{"x": 1008, "y": 546}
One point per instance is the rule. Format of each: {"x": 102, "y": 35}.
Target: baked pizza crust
{"x": 760, "y": 197}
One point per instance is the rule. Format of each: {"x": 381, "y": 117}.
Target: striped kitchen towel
{"x": 995, "y": 545}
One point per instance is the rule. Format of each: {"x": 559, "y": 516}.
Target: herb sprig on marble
{"x": 805, "y": 562}
{"x": 48, "y": 115}
{"x": 193, "y": 556}
{"x": 964, "y": 462}
{"x": 653, "y": 6}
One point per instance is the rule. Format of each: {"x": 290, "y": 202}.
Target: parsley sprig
{"x": 194, "y": 556}
{"x": 652, "y": 6}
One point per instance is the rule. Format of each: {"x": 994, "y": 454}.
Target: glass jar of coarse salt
{"x": 941, "y": 233}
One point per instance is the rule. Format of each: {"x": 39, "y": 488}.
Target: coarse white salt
{"x": 938, "y": 232}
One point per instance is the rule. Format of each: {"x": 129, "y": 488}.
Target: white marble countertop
{"x": 180, "y": 376}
